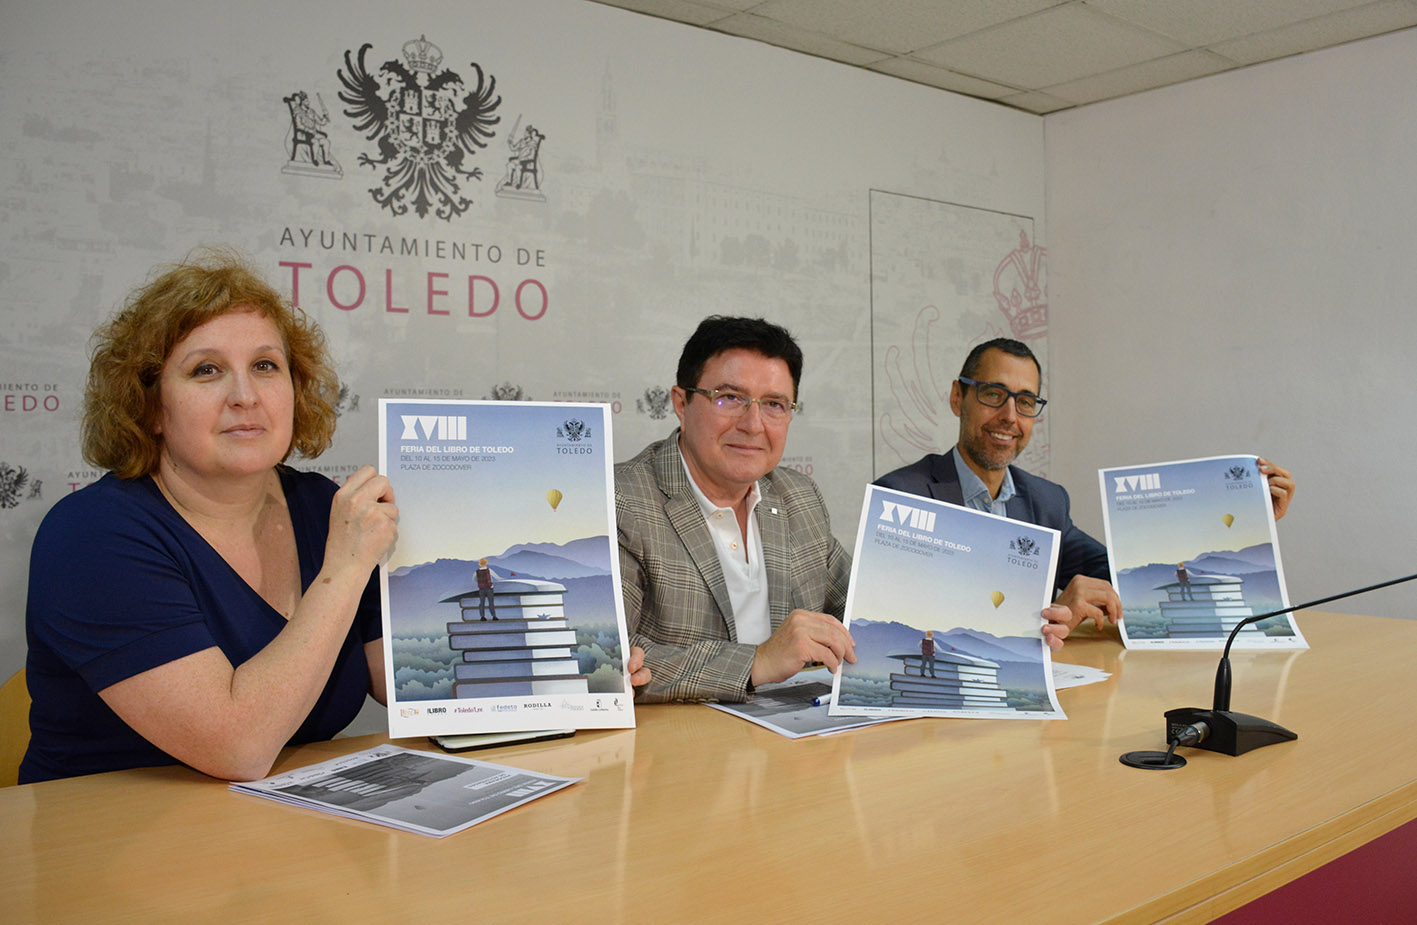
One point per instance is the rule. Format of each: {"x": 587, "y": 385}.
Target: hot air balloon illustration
{"x": 998, "y": 598}
{"x": 553, "y": 497}
{"x": 1229, "y": 519}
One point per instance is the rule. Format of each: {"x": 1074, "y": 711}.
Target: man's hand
{"x": 639, "y": 674}
{"x": 1090, "y": 599}
{"x": 1058, "y": 626}
{"x": 804, "y": 637}
{"x": 1281, "y": 485}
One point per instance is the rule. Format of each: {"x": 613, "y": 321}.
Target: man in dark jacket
{"x": 997, "y": 401}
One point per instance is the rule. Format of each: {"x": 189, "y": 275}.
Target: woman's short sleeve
{"x": 111, "y": 592}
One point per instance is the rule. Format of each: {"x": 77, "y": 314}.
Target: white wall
{"x": 1231, "y": 272}
{"x": 131, "y": 131}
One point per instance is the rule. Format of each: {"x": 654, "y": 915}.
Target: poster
{"x": 527, "y": 487}
{"x": 945, "y": 609}
{"x": 1193, "y": 552}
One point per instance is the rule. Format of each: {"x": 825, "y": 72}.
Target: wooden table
{"x": 697, "y": 815}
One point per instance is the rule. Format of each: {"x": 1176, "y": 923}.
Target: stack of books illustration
{"x": 373, "y": 784}
{"x": 957, "y": 682}
{"x": 528, "y": 650}
{"x": 1206, "y": 605}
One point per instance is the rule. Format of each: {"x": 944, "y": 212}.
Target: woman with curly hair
{"x": 203, "y": 602}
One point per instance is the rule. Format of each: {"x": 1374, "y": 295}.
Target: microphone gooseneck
{"x": 1219, "y": 729}
{"x": 1222, "y": 673}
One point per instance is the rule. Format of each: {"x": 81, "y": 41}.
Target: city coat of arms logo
{"x": 655, "y": 403}
{"x": 1024, "y": 546}
{"x": 573, "y": 430}
{"x": 14, "y": 480}
{"x": 427, "y": 123}
{"x": 507, "y": 392}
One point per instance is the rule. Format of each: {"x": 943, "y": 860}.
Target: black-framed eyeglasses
{"x": 994, "y": 394}
{"x": 734, "y": 404}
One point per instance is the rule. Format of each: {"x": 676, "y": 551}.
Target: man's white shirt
{"x": 744, "y": 571}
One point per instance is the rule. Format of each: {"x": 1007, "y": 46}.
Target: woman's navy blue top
{"x": 120, "y": 583}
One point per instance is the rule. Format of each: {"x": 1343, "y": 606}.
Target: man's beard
{"x": 973, "y": 447}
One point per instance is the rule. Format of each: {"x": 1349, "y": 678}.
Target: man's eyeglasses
{"x": 994, "y": 394}
{"x": 733, "y": 404}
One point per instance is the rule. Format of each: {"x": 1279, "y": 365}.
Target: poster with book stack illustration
{"x": 945, "y": 607}
{"x": 1194, "y": 552}
{"x": 501, "y": 603}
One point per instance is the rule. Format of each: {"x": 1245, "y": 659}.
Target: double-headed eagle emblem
{"x": 655, "y": 403}
{"x": 13, "y": 480}
{"x": 426, "y": 122}
{"x": 1024, "y": 546}
{"x": 573, "y": 430}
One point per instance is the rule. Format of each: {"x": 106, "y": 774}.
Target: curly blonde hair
{"x": 123, "y": 399}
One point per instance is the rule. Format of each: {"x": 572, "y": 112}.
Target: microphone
{"x": 1220, "y": 729}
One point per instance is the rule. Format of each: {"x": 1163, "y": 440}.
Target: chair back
{"x": 14, "y": 727}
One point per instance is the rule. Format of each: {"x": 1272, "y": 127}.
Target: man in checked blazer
{"x": 731, "y": 575}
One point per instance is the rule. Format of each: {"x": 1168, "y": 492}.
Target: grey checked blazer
{"x": 676, "y": 601}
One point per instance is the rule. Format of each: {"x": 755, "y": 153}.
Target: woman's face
{"x": 228, "y": 402}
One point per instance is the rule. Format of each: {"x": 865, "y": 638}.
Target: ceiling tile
{"x": 1075, "y": 51}
{"x": 1365, "y": 21}
{"x": 898, "y": 26}
{"x": 1035, "y": 102}
{"x": 776, "y": 33}
{"x": 1204, "y": 22}
{"x": 695, "y": 14}
{"x": 1160, "y": 72}
{"x": 933, "y": 76}
{"x": 1055, "y": 46}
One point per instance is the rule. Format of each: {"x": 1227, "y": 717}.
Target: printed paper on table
{"x": 798, "y": 707}
{"x": 1193, "y": 552}
{"x": 945, "y": 609}
{"x": 528, "y": 486}
{"x": 406, "y": 789}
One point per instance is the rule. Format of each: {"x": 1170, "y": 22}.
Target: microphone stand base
{"x": 1230, "y": 733}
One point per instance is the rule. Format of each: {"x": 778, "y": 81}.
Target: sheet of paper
{"x": 414, "y": 791}
{"x": 1065, "y": 676}
{"x": 1194, "y": 551}
{"x": 945, "y": 607}
{"x": 528, "y": 487}
{"x": 797, "y": 707}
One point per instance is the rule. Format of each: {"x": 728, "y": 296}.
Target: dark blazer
{"x": 1036, "y": 501}
{"x": 676, "y": 601}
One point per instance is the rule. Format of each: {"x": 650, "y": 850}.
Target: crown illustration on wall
{"x": 422, "y": 55}
{"x": 1021, "y": 289}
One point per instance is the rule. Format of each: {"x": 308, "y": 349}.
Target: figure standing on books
{"x": 1184, "y": 578}
{"x": 997, "y": 400}
{"x": 927, "y": 654}
{"x": 485, "y": 598}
